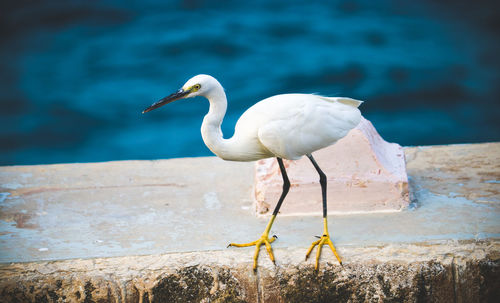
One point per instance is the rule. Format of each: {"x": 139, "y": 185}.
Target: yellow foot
{"x": 264, "y": 240}
{"x": 324, "y": 239}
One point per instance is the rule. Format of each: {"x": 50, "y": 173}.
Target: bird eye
{"x": 196, "y": 87}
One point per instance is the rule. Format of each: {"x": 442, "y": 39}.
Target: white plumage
{"x": 294, "y": 125}
{"x": 285, "y": 126}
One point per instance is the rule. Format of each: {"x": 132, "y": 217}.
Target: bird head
{"x": 199, "y": 85}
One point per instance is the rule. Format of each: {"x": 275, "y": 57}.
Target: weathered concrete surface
{"x": 156, "y": 231}
{"x": 365, "y": 173}
{"x": 471, "y": 171}
{"x": 452, "y": 272}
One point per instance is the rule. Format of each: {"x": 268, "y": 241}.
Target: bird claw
{"x": 264, "y": 240}
{"x": 325, "y": 239}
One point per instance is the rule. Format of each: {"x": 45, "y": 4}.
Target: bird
{"x": 285, "y": 126}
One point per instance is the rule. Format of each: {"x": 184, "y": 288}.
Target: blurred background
{"x": 75, "y": 75}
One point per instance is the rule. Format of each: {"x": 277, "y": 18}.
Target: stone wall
{"x": 449, "y": 272}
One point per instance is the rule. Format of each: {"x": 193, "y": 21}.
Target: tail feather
{"x": 343, "y": 100}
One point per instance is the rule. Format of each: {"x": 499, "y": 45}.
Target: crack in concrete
{"x": 454, "y": 275}
{"x": 32, "y": 191}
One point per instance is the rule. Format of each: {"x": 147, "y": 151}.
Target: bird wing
{"x": 274, "y": 136}
{"x": 302, "y": 124}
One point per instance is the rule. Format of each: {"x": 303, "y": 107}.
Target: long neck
{"x": 211, "y": 127}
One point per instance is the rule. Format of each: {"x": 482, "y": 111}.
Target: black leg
{"x": 264, "y": 239}
{"x": 325, "y": 238}
{"x": 286, "y": 186}
{"x": 322, "y": 181}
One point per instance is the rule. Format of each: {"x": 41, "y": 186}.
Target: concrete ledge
{"x": 156, "y": 231}
{"x": 463, "y": 271}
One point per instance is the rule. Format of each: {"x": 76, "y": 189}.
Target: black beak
{"x": 175, "y": 96}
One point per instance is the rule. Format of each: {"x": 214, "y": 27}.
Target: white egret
{"x": 286, "y": 126}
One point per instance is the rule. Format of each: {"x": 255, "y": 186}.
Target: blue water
{"x": 75, "y": 75}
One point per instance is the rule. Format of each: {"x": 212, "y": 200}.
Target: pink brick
{"x": 365, "y": 174}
